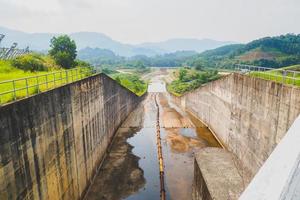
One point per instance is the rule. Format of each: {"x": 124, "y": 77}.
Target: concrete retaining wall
{"x": 279, "y": 177}
{"x": 52, "y": 143}
{"x": 249, "y": 115}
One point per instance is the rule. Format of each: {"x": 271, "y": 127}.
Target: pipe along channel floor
{"x": 152, "y": 153}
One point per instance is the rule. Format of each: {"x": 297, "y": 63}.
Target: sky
{"x": 137, "y": 21}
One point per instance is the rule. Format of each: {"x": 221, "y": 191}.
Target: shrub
{"x": 29, "y": 62}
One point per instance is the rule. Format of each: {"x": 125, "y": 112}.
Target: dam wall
{"x": 248, "y": 115}
{"x": 53, "y": 143}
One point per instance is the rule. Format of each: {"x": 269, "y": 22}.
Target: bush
{"x": 29, "y": 62}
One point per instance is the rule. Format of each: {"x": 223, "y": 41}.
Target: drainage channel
{"x": 152, "y": 154}
{"x": 160, "y": 155}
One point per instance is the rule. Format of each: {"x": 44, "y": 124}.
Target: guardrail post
{"x": 54, "y": 79}
{"x": 27, "y": 89}
{"x": 47, "y": 81}
{"x": 67, "y": 78}
{"x": 294, "y": 78}
{"x": 37, "y": 83}
{"x": 72, "y": 74}
{"x": 61, "y": 78}
{"x": 14, "y": 89}
{"x": 283, "y": 76}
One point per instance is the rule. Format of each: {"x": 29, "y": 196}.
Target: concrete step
{"x": 218, "y": 175}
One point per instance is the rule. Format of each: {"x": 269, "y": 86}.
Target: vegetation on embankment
{"x": 272, "y": 52}
{"x": 278, "y": 76}
{"x": 190, "y": 79}
{"x": 131, "y": 78}
{"x": 132, "y": 82}
{"x": 36, "y": 66}
{"x": 32, "y": 66}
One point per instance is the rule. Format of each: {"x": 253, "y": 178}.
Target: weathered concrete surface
{"x": 279, "y": 177}
{"x": 217, "y": 175}
{"x": 52, "y": 143}
{"x": 249, "y": 115}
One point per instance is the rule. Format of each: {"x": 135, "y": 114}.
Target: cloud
{"x": 152, "y": 20}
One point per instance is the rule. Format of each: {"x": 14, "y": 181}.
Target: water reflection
{"x": 120, "y": 175}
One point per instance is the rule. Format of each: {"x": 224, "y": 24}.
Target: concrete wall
{"x": 249, "y": 115}
{"x": 52, "y": 143}
{"x": 279, "y": 177}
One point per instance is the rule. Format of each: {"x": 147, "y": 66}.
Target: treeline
{"x": 285, "y": 51}
{"x": 106, "y": 58}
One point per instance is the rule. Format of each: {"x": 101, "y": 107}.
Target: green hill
{"x": 271, "y": 52}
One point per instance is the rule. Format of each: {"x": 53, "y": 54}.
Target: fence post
{"x": 47, "y": 81}
{"x": 27, "y": 89}
{"x": 76, "y": 74}
{"x": 67, "y": 78}
{"x": 72, "y": 74}
{"x": 14, "y": 89}
{"x": 54, "y": 79}
{"x": 294, "y": 78}
{"x": 284, "y": 76}
{"x": 38, "y": 85}
{"x": 61, "y": 78}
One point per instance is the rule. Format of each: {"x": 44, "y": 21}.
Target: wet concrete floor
{"x": 131, "y": 170}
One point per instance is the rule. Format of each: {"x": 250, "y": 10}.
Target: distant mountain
{"x": 272, "y": 52}
{"x": 94, "y": 53}
{"x": 40, "y": 42}
{"x": 185, "y": 45}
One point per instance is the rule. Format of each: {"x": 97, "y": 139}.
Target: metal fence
{"x": 13, "y": 51}
{"x": 11, "y": 90}
{"x": 285, "y": 76}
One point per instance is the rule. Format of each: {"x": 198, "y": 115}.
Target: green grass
{"x": 190, "y": 79}
{"x": 8, "y": 73}
{"x": 132, "y": 82}
{"x": 277, "y": 76}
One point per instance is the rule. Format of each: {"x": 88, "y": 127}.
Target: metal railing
{"x": 11, "y": 90}
{"x": 285, "y": 76}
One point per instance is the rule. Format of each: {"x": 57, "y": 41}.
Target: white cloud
{"x": 152, "y": 20}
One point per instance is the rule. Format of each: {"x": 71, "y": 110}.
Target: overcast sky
{"x": 135, "y": 21}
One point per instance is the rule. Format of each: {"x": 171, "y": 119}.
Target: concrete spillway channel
{"x": 152, "y": 153}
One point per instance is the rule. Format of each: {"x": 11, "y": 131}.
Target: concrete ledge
{"x": 279, "y": 177}
{"x": 217, "y": 175}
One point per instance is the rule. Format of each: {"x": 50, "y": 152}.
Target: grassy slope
{"x": 191, "y": 81}
{"x": 8, "y": 72}
{"x": 131, "y": 80}
{"x": 276, "y": 75}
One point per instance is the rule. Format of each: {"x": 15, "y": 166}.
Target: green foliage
{"x": 190, "y": 79}
{"x": 182, "y": 74}
{"x": 108, "y": 71}
{"x": 277, "y": 75}
{"x": 282, "y": 50}
{"x": 63, "y": 50}
{"x": 132, "y": 82}
{"x": 29, "y": 62}
{"x": 83, "y": 64}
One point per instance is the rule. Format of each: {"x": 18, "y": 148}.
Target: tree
{"x": 199, "y": 66}
{"x": 63, "y": 50}
{"x": 182, "y": 74}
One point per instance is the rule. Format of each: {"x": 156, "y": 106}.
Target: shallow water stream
{"x": 131, "y": 170}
